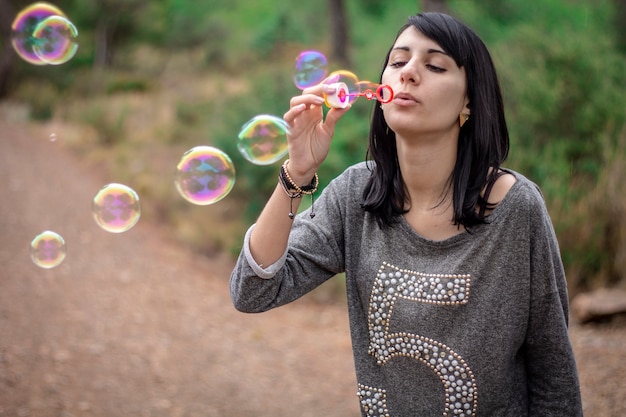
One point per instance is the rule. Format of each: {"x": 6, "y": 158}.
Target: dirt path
{"x": 134, "y": 325}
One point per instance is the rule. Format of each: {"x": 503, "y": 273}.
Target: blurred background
{"x": 153, "y": 78}
{"x": 142, "y": 324}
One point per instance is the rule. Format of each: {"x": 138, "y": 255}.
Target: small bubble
{"x": 115, "y": 208}
{"x": 311, "y": 68}
{"x": 349, "y": 80}
{"x": 25, "y": 24}
{"x": 48, "y": 250}
{"x": 55, "y": 40}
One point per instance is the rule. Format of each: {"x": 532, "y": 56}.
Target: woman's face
{"x": 429, "y": 88}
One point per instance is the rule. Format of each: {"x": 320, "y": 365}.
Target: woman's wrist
{"x": 298, "y": 177}
{"x": 296, "y": 191}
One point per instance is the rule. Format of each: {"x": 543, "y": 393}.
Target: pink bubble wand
{"x": 342, "y": 96}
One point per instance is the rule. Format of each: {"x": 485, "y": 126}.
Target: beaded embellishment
{"x": 391, "y": 284}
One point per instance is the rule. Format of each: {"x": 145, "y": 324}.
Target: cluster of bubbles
{"x": 263, "y": 139}
{"x": 115, "y": 208}
{"x": 41, "y": 34}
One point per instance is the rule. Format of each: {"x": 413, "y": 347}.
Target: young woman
{"x": 456, "y": 291}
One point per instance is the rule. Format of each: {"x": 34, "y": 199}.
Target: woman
{"x": 456, "y": 291}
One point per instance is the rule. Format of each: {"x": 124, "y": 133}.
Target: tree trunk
{"x": 105, "y": 28}
{"x": 339, "y": 33}
{"x": 620, "y": 17}
{"x": 7, "y": 54}
{"x": 435, "y": 6}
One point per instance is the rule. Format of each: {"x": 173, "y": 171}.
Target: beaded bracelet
{"x": 293, "y": 190}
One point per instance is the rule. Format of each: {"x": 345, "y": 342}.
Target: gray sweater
{"x": 474, "y": 325}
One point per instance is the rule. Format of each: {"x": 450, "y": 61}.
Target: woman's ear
{"x": 466, "y": 107}
{"x": 465, "y": 113}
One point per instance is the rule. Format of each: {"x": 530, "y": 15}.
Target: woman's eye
{"x": 397, "y": 64}
{"x": 435, "y": 68}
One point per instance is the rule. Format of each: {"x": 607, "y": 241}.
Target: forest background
{"x": 153, "y": 78}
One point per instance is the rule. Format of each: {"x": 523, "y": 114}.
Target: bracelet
{"x": 293, "y": 190}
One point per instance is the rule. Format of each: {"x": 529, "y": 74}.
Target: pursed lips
{"x": 404, "y": 98}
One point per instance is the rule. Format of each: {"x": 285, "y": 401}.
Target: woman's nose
{"x": 409, "y": 74}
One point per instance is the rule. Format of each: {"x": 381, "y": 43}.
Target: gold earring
{"x": 463, "y": 117}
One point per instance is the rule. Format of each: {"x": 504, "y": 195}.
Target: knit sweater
{"x": 473, "y": 325}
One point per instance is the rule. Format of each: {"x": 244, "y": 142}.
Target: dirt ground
{"x": 133, "y": 324}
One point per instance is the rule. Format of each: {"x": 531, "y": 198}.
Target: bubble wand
{"x": 342, "y": 96}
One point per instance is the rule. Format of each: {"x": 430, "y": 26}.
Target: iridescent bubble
{"x": 204, "y": 175}
{"x": 115, "y": 208}
{"x": 55, "y": 40}
{"x": 348, "y": 80}
{"x": 48, "y": 249}
{"x": 263, "y": 139}
{"x": 25, "y": 24}
{"x": 311, "y": 68}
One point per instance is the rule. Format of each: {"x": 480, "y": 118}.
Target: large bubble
{"x": 55, "y": 40}
{"x": 311, "y": 68}
{"x": 263, "y": 139}
{"x": 47, "y": 249}
{"x": 25, "y": 24}
{"x": 115, "y": 208}
{"x": 204, "y": 175}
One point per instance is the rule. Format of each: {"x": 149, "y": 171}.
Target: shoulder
{"x": 502, "y": 186}
{"x": 519, "y": 193}
{"x": 355, "y": 176}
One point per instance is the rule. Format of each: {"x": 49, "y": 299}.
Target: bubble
{"x": 48, "y": 250}
{"x": 204, "y": 175}
{"x": 263, "y": 139}
{"x": 25, "y": 24}
{"x": 116, "y": 208}
{"x": 349, "y": 79}
{"x": 55, "y": 40}
{"x": 311, "y": 68}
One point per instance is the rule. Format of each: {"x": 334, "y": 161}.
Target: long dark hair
{"x": 483, "y": 140}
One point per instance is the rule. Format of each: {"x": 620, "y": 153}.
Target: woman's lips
{"x": 405, "y": 99}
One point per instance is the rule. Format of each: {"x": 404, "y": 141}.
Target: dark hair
{"x": 483, "y": 140}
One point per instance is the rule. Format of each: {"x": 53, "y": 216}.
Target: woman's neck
{"x": 426, "y": 168}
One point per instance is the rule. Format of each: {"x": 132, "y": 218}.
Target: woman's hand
{"x": 309, "y": 134}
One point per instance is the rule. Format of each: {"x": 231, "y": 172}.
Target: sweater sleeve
{"x": 314, "y": 254}
{"x": 553, "y": 385}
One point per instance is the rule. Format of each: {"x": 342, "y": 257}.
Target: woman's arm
{"x": 553, "y": 385}
{"x": 308, "y": 141}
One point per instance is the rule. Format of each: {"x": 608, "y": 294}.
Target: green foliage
{"x": 561, "y": 68}
{"x": 564, "y": 81}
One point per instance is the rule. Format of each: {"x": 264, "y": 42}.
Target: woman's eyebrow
{"x": 437, "y": 51}
{"x": 401, "y": 48}
{"x": 428, "y": 51}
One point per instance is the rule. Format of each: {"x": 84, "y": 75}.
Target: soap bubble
{"x": 115, "y": 208}
{"x": 311, "y": 68}
{"x": 24, "y": 26}
{"x": 263, "y": 139}
{"x": 350, "y": 80}
{"x": 55, "y": 40}
{"x": 48, "y": 250}
{"x": 204, "y": 175}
